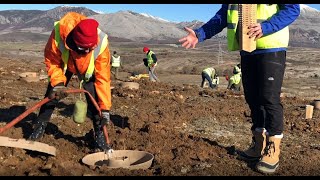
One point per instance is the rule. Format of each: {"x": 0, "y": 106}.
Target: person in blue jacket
{"x": 262, "y": 72}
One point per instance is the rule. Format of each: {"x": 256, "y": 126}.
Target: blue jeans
{"x": 205, "y": 76}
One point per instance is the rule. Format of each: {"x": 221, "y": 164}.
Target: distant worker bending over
{"x": 211, "y": 76}
{"x": 234, "y": 83}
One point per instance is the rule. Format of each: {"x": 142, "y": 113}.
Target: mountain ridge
{"x": 127, "y": 25}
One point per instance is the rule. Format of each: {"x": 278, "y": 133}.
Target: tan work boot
{"x": 257, "y": 146}
{"x": 270, "y": 159}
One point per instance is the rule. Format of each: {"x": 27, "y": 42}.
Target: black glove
{"x": 58, "y": 92}
{"x": 145, "y": 62}
{"x": 105, "y": 117}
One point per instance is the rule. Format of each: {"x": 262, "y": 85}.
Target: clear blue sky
{"x": 171, "y": 12}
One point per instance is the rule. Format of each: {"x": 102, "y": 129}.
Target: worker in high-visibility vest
{"x": 262, "y": 71}
{"x": 211, "y": 76}
{"x": 77, "y": 46}
{"x": 234, "y": 82}
{"x": 116, "y": 63}
{"x": 151, "y": 62}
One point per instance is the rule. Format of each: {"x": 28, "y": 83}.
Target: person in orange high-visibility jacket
{"x": 77, "y": 46}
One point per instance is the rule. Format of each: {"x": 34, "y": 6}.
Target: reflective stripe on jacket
{"x": 264, "y": 12}
{"x": 58, "y": 58}
{"x": 65, "y": 52}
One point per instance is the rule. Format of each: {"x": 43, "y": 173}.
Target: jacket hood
{"x": 68, "y": 22}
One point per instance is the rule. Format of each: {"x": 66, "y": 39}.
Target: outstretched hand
{"x": 190, "y": 40}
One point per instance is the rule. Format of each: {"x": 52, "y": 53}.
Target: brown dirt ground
{"x": 189, "y": 130}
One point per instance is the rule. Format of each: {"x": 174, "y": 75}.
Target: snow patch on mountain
{"x": 154, "y": 17}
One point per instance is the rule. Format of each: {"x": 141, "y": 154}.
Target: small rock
{"x": 87, "y": 174}
{"x": 47, "y": 166}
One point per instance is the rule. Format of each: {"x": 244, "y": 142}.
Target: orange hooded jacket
{"x": 54, "y": 63}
